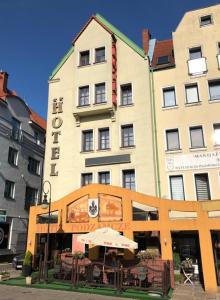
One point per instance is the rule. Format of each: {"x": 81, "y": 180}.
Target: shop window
{"x": 142, "y": 212}
{"x": 9, "y": 189}
{"x": 216, "y": 134}
{"x": 192, "y": 93}
{"x": 202, "y": 187}
{"x": 33, "y": 166}
{"x": 196, "y": 136}
{"x": 169, "y": 97}
{"x": 104, "y": 177}
{"x": 195, "y": 53}
{"x": 126, "y": 94}
{"x": 128, "y": 179}
{"x": 13, "y": 156}
{"x": 177, "y": 188}
{"x": 44, "y": 218}
{"x": 84, "y": 58}
{"x": 214, "y": 89}
{"x": 100, "y": 54}
{"x": 84, "y": 95}
{"x": 205, "y": 20}
{"x": 100, "y": 96}
{"x": 127, "y": 136}
{"x": 86, "y": 179}
{"x": 104, "y": 139}
{"x": 172, "y": 138}
{"x": 87, "y": 140}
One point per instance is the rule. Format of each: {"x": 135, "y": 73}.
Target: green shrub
{"x": 176, "y": 260}
{"x": 27, "y": 259}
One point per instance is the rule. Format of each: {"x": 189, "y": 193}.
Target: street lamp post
{"x": 45, "y": 204}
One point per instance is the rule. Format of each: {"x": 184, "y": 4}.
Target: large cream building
{"x": 99, "y": 114}
{"x": 186, "y": 73}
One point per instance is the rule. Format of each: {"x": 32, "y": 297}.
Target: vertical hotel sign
{"x": 57, "y": 122}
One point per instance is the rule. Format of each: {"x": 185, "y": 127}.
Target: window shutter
{"x": 176, "y": 187}
{"x": 202, "y": 187}
{"x": 192, "y": 94}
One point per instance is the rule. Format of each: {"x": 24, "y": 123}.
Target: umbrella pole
{"x": 103, "y": 269}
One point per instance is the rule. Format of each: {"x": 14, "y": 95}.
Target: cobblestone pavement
{"x": 22, "y": 293}
{"x": 196, "y": 292}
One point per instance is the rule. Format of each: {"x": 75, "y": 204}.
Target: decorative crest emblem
{"x": 93, "y": 207}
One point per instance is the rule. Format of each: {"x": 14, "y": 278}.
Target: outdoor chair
{"x": 188, "y": 274}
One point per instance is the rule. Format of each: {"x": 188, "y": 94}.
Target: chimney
{"x": 3, "y": 83}
{"x": 145, "y": 40}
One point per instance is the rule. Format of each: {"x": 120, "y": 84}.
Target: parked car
{"x": 17, "y": 261}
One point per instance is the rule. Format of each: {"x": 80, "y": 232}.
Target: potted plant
{"x": 4, "y": 275}
{"x": 176, "y": 262}
{"x": 27, "y": 268}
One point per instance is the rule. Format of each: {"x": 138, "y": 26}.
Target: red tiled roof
{"x": 163, "y": 48}
{"x": 38, "y": 120}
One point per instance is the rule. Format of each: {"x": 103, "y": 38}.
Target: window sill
{"x": 85, "y": 152}
{"x": 99, "y": 62}
{"x": 13, "y": 166}
{"x": 32, "y": 173}
{"x": 193, "y": 103}
{"x": 127, "y": 147}
{"x": 173, "y": 151}
{"x": 101, "y": 103}
{"x": 169, "y": 107}
{"x": 83, "y": 106}
{"x": 79, "y": 66}
{"x": 213, "y": 100}
{"x": 126, "y": 105}
{"x": 103, "y": 150}
{"x": 198, "y": 149}
{"x": 9, "y": 198}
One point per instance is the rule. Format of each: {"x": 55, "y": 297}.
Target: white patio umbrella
{"x": 107, "y": 237}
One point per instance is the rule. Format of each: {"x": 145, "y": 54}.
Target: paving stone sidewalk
{"x": 189, "y": 292}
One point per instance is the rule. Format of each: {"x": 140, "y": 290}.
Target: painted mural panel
{"x": 110, "y": 208}
{"x": 77, "y": 211}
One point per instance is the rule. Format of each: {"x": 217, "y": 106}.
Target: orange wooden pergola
{"x": 202, "y": 220}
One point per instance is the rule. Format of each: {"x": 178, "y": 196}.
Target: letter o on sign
{"x": 57, "y": 122}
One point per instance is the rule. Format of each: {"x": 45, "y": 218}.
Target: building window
{"x": 126, "y": 94}
{"x": 9, "y": 189}
{"x": 100, "y": 93}
{"x": 172, "y": 137}
{"x": 31, "y": 197}
{"x": 84, "y": 95}
{"x": 218, "y": 48}
{"x": 196, "y": 136}
{"x": 104, "y": 138}
{"x": 13, "y": 156}
{"x": 177, "y": 188}
{"x": 100, "y": 54}
{"x": 169, "y": 97}
{"x": 129, "y": 179}
{"x": 216, "y": 134}
{"x": 84, "y": 58}
{"x": 205, "y": 20}
{"x": 161, "y": 60}
{"x": 87, "y": 140}
{"x": 202, "y": 186}
{"x": 104, "y": 177}
{"x": 127, "y": 136}
{"x": 86, "y": 178}
{"x": 33, "y": 166}
{"x": 195, "y": 53}
{"x": 37, "y": 137}
{"x": 192, "y": 93}
{"x": 214, "y": 89}
{"x": 16, "y": 129}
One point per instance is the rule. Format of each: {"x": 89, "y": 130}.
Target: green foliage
{"x": 78, "y": 254}
{"x": 27, "y": 259}
{"x": 176, "y": 260}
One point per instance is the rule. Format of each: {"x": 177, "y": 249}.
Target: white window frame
{"x": 82, "y": 140}
{"x": 86, "y": 172}
{"x": 218, "y": 124}
{"x": 79, "y": 56}
{"x": 188, "y": 86}
{"x": 123, "y": 125}
{"x": 98, "y": 139}
{"x": 120, "y": 94}
{"x": 213, "y": 80}
{"x": 94, "y": 55}
{"x": 127, "y": 169}
{"x": 94, "y": 93}
{"x": 194, "y": 47}
{"x": 162, "y": 96}
{"x": 165, "y": 139}
{"x": 82, "y": 86}
{"x": 16, "y": 158}
{"x": 203, "y": 16}
{"x": 169, "y": 186}
{"x": 203, "y": 133}
{"x": 104, "y": 171}
{"x": 194, "y": 180}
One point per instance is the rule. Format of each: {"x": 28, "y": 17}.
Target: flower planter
{"x": 4, "y": 276}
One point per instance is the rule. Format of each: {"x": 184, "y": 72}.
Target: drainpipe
{"x": 154, "y": 134}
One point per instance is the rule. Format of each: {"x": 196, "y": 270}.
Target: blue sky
{"x": 35, "y": 34}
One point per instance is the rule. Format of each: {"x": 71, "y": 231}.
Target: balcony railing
{"x": 197, "y": 66}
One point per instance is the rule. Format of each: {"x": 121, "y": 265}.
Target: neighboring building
{"x": 99, "y": 114}
{"x": 186, "y": 72}
{"x": 22, "y": 139}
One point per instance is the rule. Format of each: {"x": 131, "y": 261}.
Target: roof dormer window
{"x": 205, "y": 20}
{"x": 161, "y": 60}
